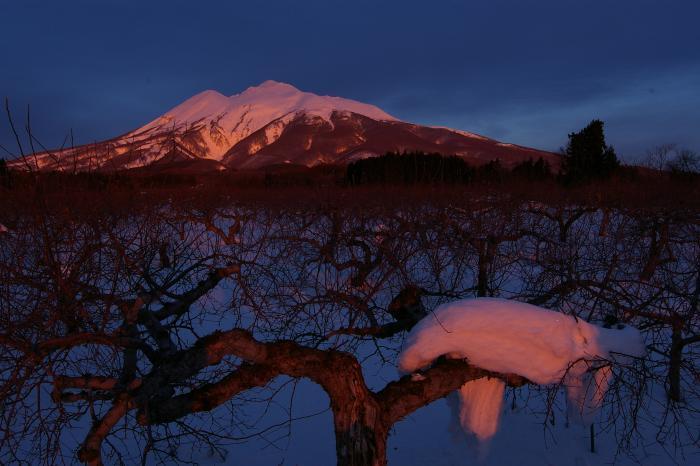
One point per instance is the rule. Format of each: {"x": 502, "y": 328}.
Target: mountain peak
{"x": 275, "y": 119}
{"x": 271, "y": 83}
{"x": 269, "y": 87}
{"x": 208, "y": 95}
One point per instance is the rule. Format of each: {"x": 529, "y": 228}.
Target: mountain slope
{"x": 348, "y": 136}
{"x": 270, "y": 124}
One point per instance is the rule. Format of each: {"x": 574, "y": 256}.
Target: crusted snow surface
{"x": 274, "y": 130}
{"x": 464, "y": 133}
{"x": 515, "y": 146}
{"x": 243, "y": 114}
{"x": 511, "y": 337}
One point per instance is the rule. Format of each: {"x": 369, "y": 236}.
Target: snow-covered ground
{"x": 432, "y": 436}
{"x": 535, "y": 426}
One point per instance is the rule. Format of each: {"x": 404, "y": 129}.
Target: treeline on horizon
{"x": 586, "y": 159}
{"x": 91, "y": 180}
{"x": 411, "y": 168}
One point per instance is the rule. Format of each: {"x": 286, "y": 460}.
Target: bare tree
{"x": 136, "y": 317}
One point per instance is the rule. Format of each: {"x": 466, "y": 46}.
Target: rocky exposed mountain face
{"x": 270, "y": 124}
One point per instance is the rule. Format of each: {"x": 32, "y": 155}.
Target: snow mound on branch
{"x": 506, "y": 336}
{"x": 512, "y": 337}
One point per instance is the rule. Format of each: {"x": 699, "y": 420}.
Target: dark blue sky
{"x": 527, "y": 72}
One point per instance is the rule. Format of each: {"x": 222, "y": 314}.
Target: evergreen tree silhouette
{"x": 588, "y": 157}
{"x": 409, "y": 168}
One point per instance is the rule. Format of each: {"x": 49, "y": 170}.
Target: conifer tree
{"x": 587, "y": 156}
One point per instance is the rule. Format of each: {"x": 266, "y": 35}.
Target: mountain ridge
{"x": 274, "y": 123}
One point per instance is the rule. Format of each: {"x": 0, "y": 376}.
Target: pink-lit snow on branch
{"x": 480, "y": 403}
{"x": 510, "y": 337}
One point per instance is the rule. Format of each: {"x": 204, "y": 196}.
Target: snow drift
{"x": 510, "y": 337}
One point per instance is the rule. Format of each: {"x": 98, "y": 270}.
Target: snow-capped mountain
{"x": 269, "y": 124}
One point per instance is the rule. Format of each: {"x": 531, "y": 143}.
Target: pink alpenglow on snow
{"x": 267, "y": 125}
{"x": 480, "y": 404}
{"x": 506, "y": 336}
